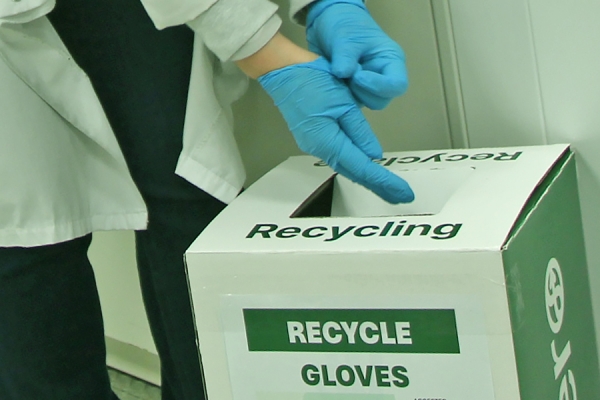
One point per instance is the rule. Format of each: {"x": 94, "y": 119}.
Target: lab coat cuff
{"x": 229, "y": 25}
{"x": 299, "y": 8}
{"x": 20, "y": 12}
{"x": 259, "y": 40}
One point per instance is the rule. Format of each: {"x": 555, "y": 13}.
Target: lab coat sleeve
{"x": 231, "y": 29}
{"x": 299, "y": 9}
{"x": 23, "y": 11}
{"x": 235, "y": 29}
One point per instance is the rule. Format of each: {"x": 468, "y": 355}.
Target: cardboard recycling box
{"x": 308, "y": 287}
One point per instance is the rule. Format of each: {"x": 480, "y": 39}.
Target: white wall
{"x": 419, "y": 120}
{"x": 529, "y": 73}
{"x": 129, "y": 342}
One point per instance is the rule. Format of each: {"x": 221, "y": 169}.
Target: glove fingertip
{"x": 400, "y": 192}
{"x": 387, "y": 185}
{"x": 343, "y": 68}
{"x": 382, "y": 85}
{"x": 407, "y": 196}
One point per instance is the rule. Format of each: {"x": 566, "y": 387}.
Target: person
{"x": 111, "y": 123}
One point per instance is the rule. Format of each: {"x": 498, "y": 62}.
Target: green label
{"x": 352, "y": 331}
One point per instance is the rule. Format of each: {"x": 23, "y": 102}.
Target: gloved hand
{"x": 344, "y": 32}
{"x": 326, "y": 122}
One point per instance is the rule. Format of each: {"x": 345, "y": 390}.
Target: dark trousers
{"x": 51, "y": 333}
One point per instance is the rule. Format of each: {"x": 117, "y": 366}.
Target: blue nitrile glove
{"x": 327, "y": 123}
{"x": 344, "y": 32}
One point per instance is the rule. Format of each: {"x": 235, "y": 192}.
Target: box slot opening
{"x": 339, "y": 197}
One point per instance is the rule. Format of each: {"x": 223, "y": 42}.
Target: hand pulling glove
{"x": 326, "y": 122}
{"x": 344, "y": 32}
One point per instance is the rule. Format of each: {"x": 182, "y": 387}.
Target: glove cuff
{"x": 319, "y": 6}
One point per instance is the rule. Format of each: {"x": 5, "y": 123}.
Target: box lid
{"x": 466, "y": 200}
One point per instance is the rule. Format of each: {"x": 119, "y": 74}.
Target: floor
{"x": 129, "y": 388}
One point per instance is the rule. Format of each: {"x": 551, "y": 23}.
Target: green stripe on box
{"x": 425, "y": 331}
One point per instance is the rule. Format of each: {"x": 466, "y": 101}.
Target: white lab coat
{"x": 62, "y": 174}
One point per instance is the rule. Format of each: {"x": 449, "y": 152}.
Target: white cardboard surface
{"x": 256, "y": 255}
{"x": 434, "y": 186}
{"x": 481, "y": 191}
{"x": 347, "y": 280}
